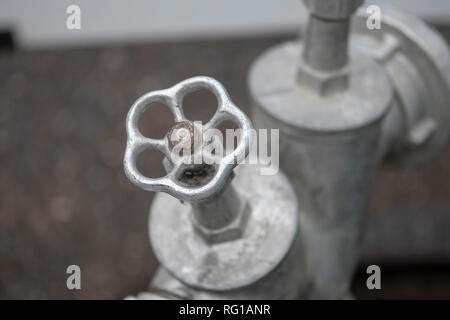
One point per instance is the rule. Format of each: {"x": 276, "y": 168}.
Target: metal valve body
{"x": 262, "y": 264}
{"x": 341, "y": 108}
{"x": 228, "y": 238}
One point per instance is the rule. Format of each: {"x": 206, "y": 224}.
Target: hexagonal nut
{"x": 332, "y": 9}
{"x": 233, "y": 231}
{"x": 321, "y": 82}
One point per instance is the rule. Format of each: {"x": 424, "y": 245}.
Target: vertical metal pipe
{"x": 326, "y": 43}
{"x": 330, "y": 119}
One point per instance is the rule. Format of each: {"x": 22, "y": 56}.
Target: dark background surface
{"x": 64, "y": 198}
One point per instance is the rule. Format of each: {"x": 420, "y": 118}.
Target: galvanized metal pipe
{"x": 330, "y": 118}
{"x": 338, "y": 122}
{"x": 330, "y": 34}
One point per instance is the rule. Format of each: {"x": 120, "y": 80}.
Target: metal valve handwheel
{"x": 173, "y": 98}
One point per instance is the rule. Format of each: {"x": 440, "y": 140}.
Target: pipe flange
{"x": 270, "y": 233}
{"x": 274, "y": 87}
{"x": 417, "y": 60}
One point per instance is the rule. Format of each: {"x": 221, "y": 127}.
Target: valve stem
{"x": 221, "y": 217}
{"x": 327, "y": 33}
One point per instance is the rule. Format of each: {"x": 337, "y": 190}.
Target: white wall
{"x": 42, "y": 23}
